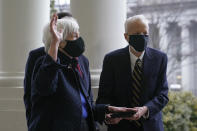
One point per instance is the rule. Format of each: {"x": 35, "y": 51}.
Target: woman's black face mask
{"x": 138, "y": 42}
{"x": 75, "y": 47}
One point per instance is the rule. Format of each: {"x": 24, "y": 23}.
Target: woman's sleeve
{"x": 45, "y": 75}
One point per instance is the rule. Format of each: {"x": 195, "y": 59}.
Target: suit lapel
{"x": 126, "y": 71}
{"x": 147, "y": 69}
{"x": 127, "y": 63}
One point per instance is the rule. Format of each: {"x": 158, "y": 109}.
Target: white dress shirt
{"x": 133, "y": 58}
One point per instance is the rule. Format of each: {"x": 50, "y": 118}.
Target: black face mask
{"x": 138, "y": 42}
{"x": 75, "y": 47}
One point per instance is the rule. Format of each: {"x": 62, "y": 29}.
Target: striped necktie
{"x": 137, "y": 86}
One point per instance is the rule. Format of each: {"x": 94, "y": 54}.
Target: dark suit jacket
{"x": 56, "y": 103}
{"x": 33, "y": 56}
{"x": 115, "y": 86}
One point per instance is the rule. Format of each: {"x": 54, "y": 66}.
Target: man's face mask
{"x": 138, "y": 42}
{"x": 75, "y": 47}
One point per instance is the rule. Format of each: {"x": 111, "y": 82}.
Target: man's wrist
{"x": 145, "y": 108}
{"x": 146, "y": 112}
{"x": 107, "y": 109}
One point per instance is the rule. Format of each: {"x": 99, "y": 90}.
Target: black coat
{"x": 55, "y": 99}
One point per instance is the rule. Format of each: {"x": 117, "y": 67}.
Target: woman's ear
{"x": 75, "y": 35}
{"x": 62, "y": 44}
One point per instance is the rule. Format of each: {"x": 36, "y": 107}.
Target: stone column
{"x": 102, "y": 26}
{"x": 193, "y": 55}
{"x": 21, "y": 25}
{"x": 22, "y": 22}
{"x": 186, "y": 61}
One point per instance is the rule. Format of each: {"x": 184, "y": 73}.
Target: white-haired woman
{"x": 61, "y": 91}
{"x": 31, "y": 60}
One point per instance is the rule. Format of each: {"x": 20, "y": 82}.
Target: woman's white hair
{"x": 134, "y": 19}
{"x": 68, "y": 25}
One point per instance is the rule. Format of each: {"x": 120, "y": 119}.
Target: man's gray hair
{"x": 68, "y": 25}
{"x": 134, "y": 19}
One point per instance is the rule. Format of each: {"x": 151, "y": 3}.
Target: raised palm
{"x": 56, "y": 35}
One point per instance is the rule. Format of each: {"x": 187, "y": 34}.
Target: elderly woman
{"x": 33, "y": 56}
{"x": 61, "y": 91}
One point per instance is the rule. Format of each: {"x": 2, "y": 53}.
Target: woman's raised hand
{"x": 56, "y": 38}
{"x": 56, "y": 35}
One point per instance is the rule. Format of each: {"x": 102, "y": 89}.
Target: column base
{"x": 12, "y": 109}
{"x": 8, "y": 79}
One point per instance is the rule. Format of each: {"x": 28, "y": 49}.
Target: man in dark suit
{"x": 61, "y": 98}
{"x": 135, "y": 76}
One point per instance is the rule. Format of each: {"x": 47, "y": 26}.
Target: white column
{"x": 0, "y": 27}
{"x": 21, "y": 30}
{"x": 186, "y": 62}
{"x": 21, "y": 25}
{"x": 102, "y": 26}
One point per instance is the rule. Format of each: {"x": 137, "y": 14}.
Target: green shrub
{"x": 180, "y": 114}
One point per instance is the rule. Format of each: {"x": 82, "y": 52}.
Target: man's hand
{"x": 111, "y": 109}
{"x": 118, "y": 109}
{"x": 109, "y": 120}
{"x": 140, "y": 111}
